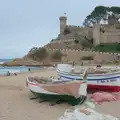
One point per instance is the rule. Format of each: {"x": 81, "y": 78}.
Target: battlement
{"x": 62, "y": 18}
{"x": 84, "y": 51}
{"x": 76, "y": 55}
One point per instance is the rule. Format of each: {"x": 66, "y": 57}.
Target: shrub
{"x": 76, "y": 41}
{"x": 118, "y": 47}
{"x": 108, "y": 47}
{"x": 87, "y": 58}
{"x": 57, "y": 55}
{"x": 67, "y": 31}
{"x": 39, "y": 54}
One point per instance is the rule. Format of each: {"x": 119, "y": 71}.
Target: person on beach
{"x": 73, "y": 64}
{"x": 29, "y": 69}
{"x": 99, "y": 66}
{"x": 54, "y": 65}
{"x": 8, "y": 73}
{"x": 15, "y": 74}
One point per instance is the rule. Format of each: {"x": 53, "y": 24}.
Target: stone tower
{"x": 96, "y": 34}
{"x": 63, "y": 23}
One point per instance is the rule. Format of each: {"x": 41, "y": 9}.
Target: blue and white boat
{"x": 107, "y": 80}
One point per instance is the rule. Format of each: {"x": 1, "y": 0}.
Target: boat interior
{"x": 44, "y": 80}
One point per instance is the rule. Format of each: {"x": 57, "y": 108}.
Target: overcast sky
{"x": 33, "y": 23}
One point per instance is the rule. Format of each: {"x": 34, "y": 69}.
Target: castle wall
{"x": 100, "y": 34}
{"x": 112, "y": 36}
{"x": 76, "y": 55}
{"x": 66, "y": 37}
{"x": 86, "y": 31}
{"x": 108, "y": 34}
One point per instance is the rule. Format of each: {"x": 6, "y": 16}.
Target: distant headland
{"x": 96, "y": 42}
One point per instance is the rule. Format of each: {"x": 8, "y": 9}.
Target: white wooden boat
{"x": 107, "y": 81}
{"x": 73, "y": 92}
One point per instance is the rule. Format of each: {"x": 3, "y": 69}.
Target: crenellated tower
{"x": 63, "y": 23}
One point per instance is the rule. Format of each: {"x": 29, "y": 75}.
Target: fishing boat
{"x": 73, "y": 92}
{"x": 105, "y": 80}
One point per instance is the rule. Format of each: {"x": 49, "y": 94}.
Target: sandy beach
{"x": 16, "y": 105}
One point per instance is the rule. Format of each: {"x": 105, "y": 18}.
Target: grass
{"x": 114, "y": 47}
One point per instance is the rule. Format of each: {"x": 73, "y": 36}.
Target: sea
{"x": 14, "y": 69}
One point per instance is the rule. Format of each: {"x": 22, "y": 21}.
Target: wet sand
{"x": 16, "y": 105}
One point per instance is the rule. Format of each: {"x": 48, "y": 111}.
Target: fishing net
{"x": 100, "y": 97}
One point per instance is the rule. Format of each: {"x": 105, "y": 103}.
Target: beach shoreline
{"x": 16, "y": 105}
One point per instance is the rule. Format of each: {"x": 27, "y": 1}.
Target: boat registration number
{"x": 106, "y": 81}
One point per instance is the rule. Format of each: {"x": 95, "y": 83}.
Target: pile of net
{"x": 85, "y": 114}
{"x": 100, "y": 97}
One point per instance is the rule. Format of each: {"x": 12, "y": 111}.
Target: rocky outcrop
{"x": 27, "y": 61}
{"x": 22, "y": 62}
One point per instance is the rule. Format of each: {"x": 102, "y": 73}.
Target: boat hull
{"x": 53, "y": 97}
{"x": 110, "y": 82}
{"x": 104, "y": 88}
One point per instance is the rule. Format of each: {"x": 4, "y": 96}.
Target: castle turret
{"x": 63, "y": 23}
{"x": 96, "y": 35}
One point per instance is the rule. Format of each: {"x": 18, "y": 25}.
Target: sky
{"x": 33, "y": 23}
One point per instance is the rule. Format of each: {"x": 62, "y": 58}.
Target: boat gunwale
{"x": 92, "y": 79}
{"x": 64, "y": 82}
{"x": 89, "y": 74}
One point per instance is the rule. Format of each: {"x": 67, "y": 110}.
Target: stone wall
{"x": 106, "y": 34}
{"x": 76, "y": 55}
{"x": 110, "y": 36}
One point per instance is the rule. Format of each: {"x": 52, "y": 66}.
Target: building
{"x": 98, "y": 34}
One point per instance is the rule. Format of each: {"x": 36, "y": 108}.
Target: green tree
{"x": 99, "y": 13}
{"x": 57, "y": 55}
{"x": 33, "y": 50}
{"x": 38, "y": 53}
{"x": 118, "y": 47}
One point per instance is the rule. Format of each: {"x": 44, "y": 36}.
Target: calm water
{"x": 5, "y": 69}
{"x": 4, "y": 60}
